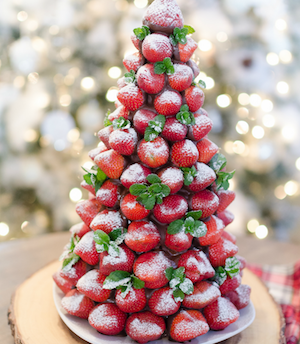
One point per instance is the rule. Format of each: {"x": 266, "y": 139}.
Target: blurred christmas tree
{"x": 59, "y": 62}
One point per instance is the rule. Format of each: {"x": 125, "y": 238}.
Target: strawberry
{"x": 240, "y": 297}
{"x": 182, "y": 78}
{"x": 157, "y": 47}
{"x": 133, "y": 61}
{"x": 203, "y": 125}
{"x": 153, "y": 153}
{"x": 226, "y": 216}
{"x": 194, "y": 66}
{"x": 108, "y": 220}
{"x": 184, "y": 153}
{"x": 194, "y": 98}
{"x": 63, "y": 284}
{"x": 86, "y": 249}
{"x": 207, "y": 149}
{"x": 111, "y": 163}
{"x": 148, "y": 81}
{"x": 162, "y": 302}
{"x": 187, "y": 325}
{"x": 206, "y": 201}
{"x": 131, "y": 97}
{"x": 220, "y": 314}
{"x": 229, "y": 236}
{"x": 142, "y": 236}
{"x": 205, "y": 177}
{"x": 220, "y": 251}
{"x": 178, "y": 242}
{"x": 172, "y": 208}
{"x": 77, "y": 304}
{"x": 88, "y": 187}
{"x": 74, "y": 272}
{"x": 174, "y": 130}
{"x": 142, "y": 118}
{"x": 134, "y": 301}
{"x": 132, "y": 209}
{"x": 108, "y": 319}
{"x": 117, "y": 102}
{"x": 150, "y": 267}
{"x": 103, "y": 135}
{"x": 79, "y": 229}
{"x": 197, "y": 266}
{"x": 88, "y": 209}
{"x": 144, "y": 327}
{"x": 204, "y": 293}
{"x": 242, "y": 261}
{"x": 94, "y": 152}
{"x": 187, "y": 50}
{"x": 121, "y": 82}
{"x": 135, "y": 174}
{"x": 225, "y": 198}
{"x": 91, "y": 285}
{"x": 215, "y": 229}
{"x": 135, "y": 41}
{"x": 230, "y": 284}
{"x": 123, "y": 141}
{"x": 120, "y": 111}
{"x": 173, "y": 177}
{"x": 168, "y": 103}
{"x": 108, "y": 194}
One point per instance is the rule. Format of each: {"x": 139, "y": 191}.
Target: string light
{"x": 282, "y": 87}
{"x": 22, "y": 16}
{"x": 75, "y": 195}
{"x": 141, "y": 3}
{"x": 205, "y": 45}
{"x": 222, "y": 37}
{"x": 291, "y": 188}
{"x": 244, "y": 98}
{"x": 111, "y": 94}
{"x": 114, "y": 72}
{"x": 279, "y": 192}
{"x": 297, "y": 164}
{"x": 268, "y": 121}
{"x": 243, "y": 112}
{"x": 272, "y": 59}
{"x": 285, "y": 56}
{"x": 242, "y": 127}
{"x": 223, "y": 100}
{"x": 281, "y": 24}
{"x": 255, "y": 100}
{"x": 261, "y": 232}
{"x": 267, "y": 105}
{"x": 258, "y": 132}
{"x": 252, "y": 225}
{"x": 4, "y": 229}
{"x": 87, "y": 83}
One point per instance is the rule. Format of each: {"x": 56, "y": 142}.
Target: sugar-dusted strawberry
{"x": 174, "y": 130}
{"x": 242, "y": 261}
{"x": 108, "y": 220}
{"x": 162, "y": 302}
{"x": 94, "y": 152}
{"x": 88, "y": 187}
{"x": 134, "y": 301}
{"x": 204, "y": 293}
{"x": 103, "y": 135}
{"x": 240, "y": 297}
{"x": 153, "y": 153}
{"x": 123, "y": 141}
{"x": 173, "y": 177}
{"x": 157, "y": 47}
{"x": 230, "y": 284}
{"x": 121, "y": 82}
{"x": 194, "y": 67}
{"x": 63, "y": 284}
{"x": 207, "y": 149}
{"x": 150, "y": 267}
{"x": 77, "y": 304}
{"x": 187, "y": 50}
{"x": 184, "y": 153}
{"x": 220, "y": 251}
{"x": 91, "y": 285}
{"x": 133, "y": 61}
{"x": 178, "y": 242}
{"x": 215, "y": 229}
{"x": 108, "y": 319}
{"x": 132, "y": 209}
{"x": 142, "y": 118}
{"x": 144, "y": 327}
{"x": 229, "y": 236}
{"x": 187, "y": 325}
{"x": 142, "y": 236}
{"x": 111, "y": 163}
{"x": 79, "y": 229}
{"x": 88, "y": 209}
{"x": 124, "y": 261}
{"x": 168, "y": 103}
{"x": 131, "y": 97}
{"x": 225, "y": 198}
{"x": 203, "y": 125}
{"x": 86, "y": 249}
{"x": 220, "y": 314}
{"x": 108, "y": 194}
{"x": 120, "y": 111}
{"x": 172, "y": 208}
{"x": 206, "y": 201}
{"x": 135, "y": 41}
{"x": 148, "y": 81}
{"x": 72, "y": 273}
{"x": 135, "y": 174}
{"x": 197, "y": 266}
{"x": 226, "y": 216}
{"x": 205, "y": 177}
{"x": 182, "y": 78}
{"x": 194, "y": 98}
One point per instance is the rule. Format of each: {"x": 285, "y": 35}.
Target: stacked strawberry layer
{"x": 152, "y": 257}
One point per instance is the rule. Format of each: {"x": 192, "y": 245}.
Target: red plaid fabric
{"x": 283, "y": 282}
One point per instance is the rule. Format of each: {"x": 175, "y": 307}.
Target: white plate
{"x": 82, "y": 328}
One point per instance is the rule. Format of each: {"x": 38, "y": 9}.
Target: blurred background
{"x": 59, "y": 64}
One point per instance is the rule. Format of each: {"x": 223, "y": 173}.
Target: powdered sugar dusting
{"x": 203, "y": 297}
{"x": 134, "y": 174}
{"x": 226, "y": 310}
{"x": 165, "y": 303}
{"x": 101, "y": 316}
{"x": 190, "y": 325}
{"x": 170, "y": 97}
{"x": 146, "y": 328}
{"x": 72, "y": 303}
{"x": 90, "y": 282}
{"x": 171, "y": 175}
{"x": 86, "y": 243}
{"x": 122, "y": 258}
{"x": 155, "y": 265}
{"x": 107, "y": 220}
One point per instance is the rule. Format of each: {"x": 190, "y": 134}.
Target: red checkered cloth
{"x": 283, "y": 282}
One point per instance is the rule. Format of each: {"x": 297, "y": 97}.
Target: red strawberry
{"x": 184, "y": 153}
{"x": 215, "y": 228}
{"x": 172, "y": 208}
{"x": 153, "y": 153}
{"x": 108, "y": 220}
{"x": 142, "y": 236}
{"x": 86, "y": 249}
{"x": 63, "y": 284}
{"x": 204, "y": 293}
{"x": 207, "y": 149}
{"x": 74, "y": 272}
{"x": 150, "y": 267}
{"x": 103, "y": 135}
{"x": 135, "y": 41}
{"x": 162, "y": 302}
{"x": 206, "y": 201}
{"x": 182, "y": 78}
{"x": 94, "y": 152}
{"x": 132, "y": 209}
{"x": 203, "y": 125}
{"x": 88, "y": 187}
{"x": 108, "y": 194}
{"x": 225, "y": 198}
{"x": 108, "y": 319}
{"x": 230, "y": 284}
{"x": 91, "y": 285}
{"x": 77, "y": 304}
{"x": 135, "y": 174}
{"x": 148, "y": 81}
{"x": 131, "y": 97}
{"x": 187, "y": 325}
{"x": 121, "y": 82}
{"x": 88, "y": 209}
{"x": 173, "y": 177}
{"x": 79, "y": 229}
{"x": 220, "y": 314}
{"x": 174, "y": 130}
{"x": 168, "y": 103}
{"x": 178, "y": 242}
{"x": 229, "y": 236}
{"x": 144, "y": 327}
{"x": 111, "y": 163}
{"x": 123, "y": 262}
{"x": 226, "y": 216}
{"x": 194, "y": 98}
{"x": 240, "y": 297}
{"x": 123, "y": 141}
{"x": 117, "y": 102}
{"x": 197, "y": 266}
{"x": 220, "y": 251}
{"x": 242, "y": 261}
{"x": 134, "y": 301}
{"x": 205, "y": 177}
{"x": 133, "y": 61}
{"x": 142, "y": 118}
{"x": 187, "y": 50}
{"x": 194, "y": 67}
{"x": 157, "y": 47}
{"x": 120, "y": 111}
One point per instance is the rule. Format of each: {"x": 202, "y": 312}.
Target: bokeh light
{"x": 223, "y": 100}
{"x": 252, "y": 225}
{"x": 242, "y": 127}
{"x": 114, "y": 72}
{"x": 75, "y": 195}
{"x": 282, "y": 87}
{"x": 4, "y": 229}
{"x": 87, "y": 83}
{"x": 261, "y": 232}
{"x": 205, "y": 45}
{"x": 258, "y": 132}
{"x": 272, "y": 59}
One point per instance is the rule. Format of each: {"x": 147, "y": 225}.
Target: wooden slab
{"x": 34, "y": 320}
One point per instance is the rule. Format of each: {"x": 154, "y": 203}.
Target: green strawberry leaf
{"x": 117, "y": 233}
{"x": 202, "y": 83}
{"x": 199, "y": 230}
{"x": 232, "y": 266}
{"x": 142, "y": 32}
{"x": 187, "y": 286}
{"x": 137, "y": 283}
{"x": 116, "y": 279}
{"x": 149, "y": 203}
{"x": 175, "y": 227}
{"x": 179, "y": 273}
{"x": 189, "y": 174}
{"x": 150, "y": 134}
{"x": 223, "y": 179}
{"x": 169, "y": 273}
{"x": 101, "y": 237}
{"x": 153, "y": 178}
{"x": 137, "y": 189}
{"x": 130, "y": 77}
{"x": 220, "y": 275}
{"x": 159, "y": 68}
{"x": 194, "y": 214}
{"x": 107, "y": 122}
{"x": 218, "y": 162}
{"x": 184, "y": 116}
{"x": 178, "y": 295}
{"x": 190, "y": 29}
{"x": 70, "y": 261}
{"x": 121, "y": 123}
{"x": 165, "y": 66}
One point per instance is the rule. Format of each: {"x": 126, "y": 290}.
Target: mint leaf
{"x": 220, "y": 275}
{"x": 137, "y": 189}
{"x": 155, "y": 189}
{"x": 184, "y": 116}
{"x": 107, "y": 122}
{"x": 175, "y": 227}
{"x": 154, "y": 128}
{"x": 187, "y": 286}
{"x": 116, "y": 233}
{"x": 70, "y": 261}
{"x": 232, "y": 266}
{"x": 150, "y": 134}
{"x": 149, "y": 202}
{"x": 165, "y": 66}
{"x": 153, "y": 178}
{"x": 190, "y": 29}
{"x": 223, "y": 179}
{"x": 121, "y": 123}
{"x": 169, "y": 273}
{"x": 95, "y": 178}
{"x": 175, "y": 281}
{"x": 137, "y": 283}
{"x": 113, "y": 249}
{"x": 218, "y": 162}
{"x": 178, "y": 295}
{"x": 179, "y": 273}
{"x": 179, "y": 35}
{"x": 101, "y": 237}
{"x": 189, "y": 174}
{"x": 194, "y": 214}
{"x": 165, "y": 190}
{"x": 142, "y": 32}
{"x": 202, "y": 83}
{"x": 199, "y": 230}
{"x": 116, "y": 278}
{"x": 159, "y": 68}
{"x": 130, "y": 77}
